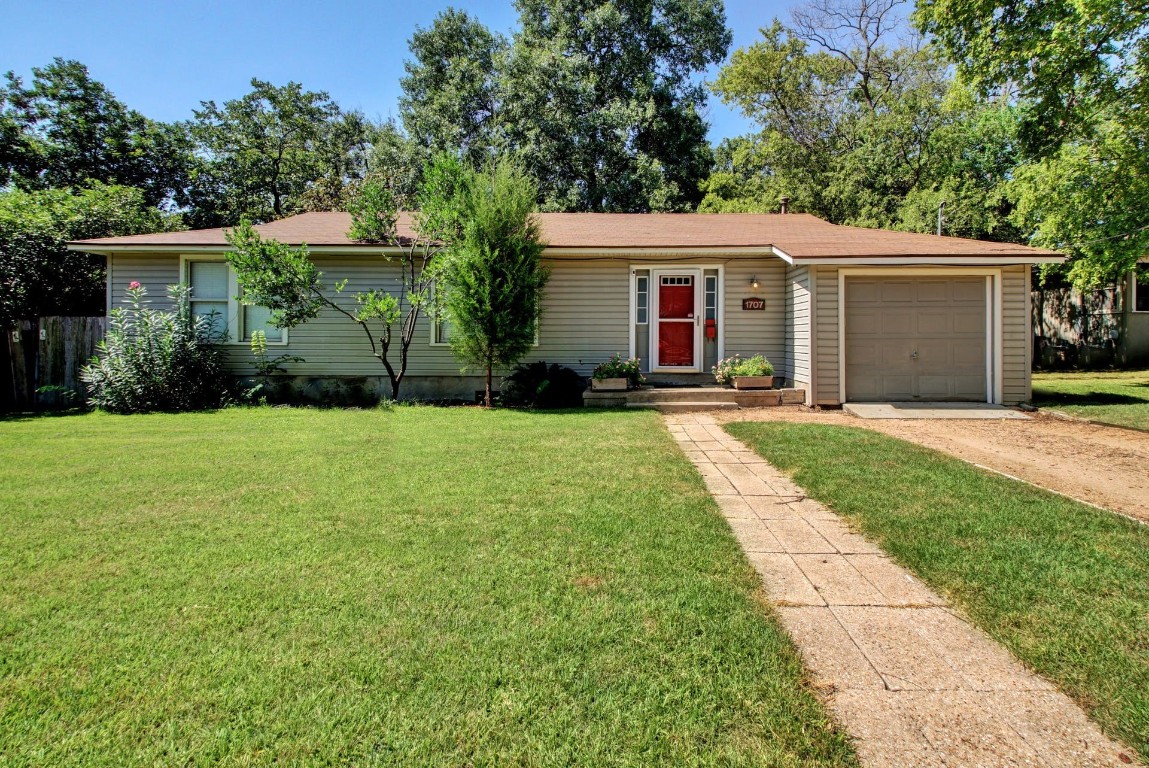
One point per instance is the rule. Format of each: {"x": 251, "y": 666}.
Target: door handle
{"x": 914, "y": 354}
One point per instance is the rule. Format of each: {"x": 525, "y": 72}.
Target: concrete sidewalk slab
{"x": 911, "y": 681}
{"x": 931, "y": 411}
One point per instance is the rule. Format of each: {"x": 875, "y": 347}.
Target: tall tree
{"x": 863, "y": 124}
{"x": 601, "y": 100}
{"x": 266, "y": 149}
{"x": 65, "y": 129}
{"x": 1079, "y": 74}
{"x": 492, "y": 280}
{"x": 1070, "y": 62}
{"x": 450, "y": 98}
{"x": 38, "y": 274}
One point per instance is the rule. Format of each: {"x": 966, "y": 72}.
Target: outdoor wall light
{"x": 754, "y": 283}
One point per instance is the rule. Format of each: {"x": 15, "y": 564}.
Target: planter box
{"x": 609, "y": 385}
{"x": 753, "y": 382}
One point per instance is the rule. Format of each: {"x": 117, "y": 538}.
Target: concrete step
{"x": 685, "y": 406}
{"x": 682, "y": 395}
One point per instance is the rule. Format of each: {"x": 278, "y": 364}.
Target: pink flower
{"x": 133, "y": 285}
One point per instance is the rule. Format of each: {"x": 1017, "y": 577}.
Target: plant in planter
{"x": 745, "y": 372}
{"x": 617, "y": 374}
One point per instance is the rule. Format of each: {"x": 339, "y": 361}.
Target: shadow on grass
{"x": 38, "y": 415}
{"x": 1088, "y": 398}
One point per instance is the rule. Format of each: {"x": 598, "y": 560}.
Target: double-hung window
{"x": 214, "y": 292}
{"x": 1141, "y": 288}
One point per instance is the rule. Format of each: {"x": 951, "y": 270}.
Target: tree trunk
{"x": 487, "y": 394}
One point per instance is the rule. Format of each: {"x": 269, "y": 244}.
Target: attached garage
{"x": 910, "y": 338}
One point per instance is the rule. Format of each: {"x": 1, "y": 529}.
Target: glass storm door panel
{"x": 677, "y": 301}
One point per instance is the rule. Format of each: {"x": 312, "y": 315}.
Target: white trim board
{"x": 651, "y": 310}
{"x": 995, "y": 381}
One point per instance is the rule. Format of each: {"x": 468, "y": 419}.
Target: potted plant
{"x": 617, "y": 374}
{"x": 745, "y": 372}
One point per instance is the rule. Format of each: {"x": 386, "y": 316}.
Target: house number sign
{"x": 753, "y": 304}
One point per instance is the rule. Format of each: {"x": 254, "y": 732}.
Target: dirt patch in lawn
{"x": 1102, "y": 465}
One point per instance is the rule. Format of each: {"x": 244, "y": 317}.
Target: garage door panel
{"x": 969, "y": 321}
{"x": 866, "y": 381}
{"x": 937, "y": 291}
{"x": 969, "y": 291}
{"x": 934, "y": 387}
{"x": 943, "y": 320}
{"x": 867, "y": 322}
{"x": 896, "y": 291}
{"x": 897, "y": 387}
{"x": 934, "y": 321}
{"x": 863, "y": 353}
{"x": 969, "y": 355}
{"x": 895, "y": 353}
{"x": 897, "y": 322}
{"x": 969, "y": 388}
{"x": 862, "y": 292}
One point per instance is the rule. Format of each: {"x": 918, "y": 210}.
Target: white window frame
{"x": 645, "y": 294}
{"x": 235, "y": 329}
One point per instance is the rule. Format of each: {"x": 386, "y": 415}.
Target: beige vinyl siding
{"x": 757, "y": 332}
{"x": 585, "y": 317}
{"x": 155, "y": 272}
{"x": 825, "y": 330}
{"x": 586, "y": 313}
{"x": 797, "y": 355}
{"x": 1017, "y": 344}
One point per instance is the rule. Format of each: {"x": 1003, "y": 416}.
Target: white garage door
{"x": 915, "y": 338}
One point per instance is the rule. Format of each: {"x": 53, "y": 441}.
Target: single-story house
{"x": 845, "y": 313}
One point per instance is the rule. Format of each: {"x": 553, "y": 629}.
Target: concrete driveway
{"x": 1106, "y": 466}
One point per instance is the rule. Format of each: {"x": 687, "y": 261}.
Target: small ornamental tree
{"x": 286, "y": 281}
{"x": 492, "y": 281}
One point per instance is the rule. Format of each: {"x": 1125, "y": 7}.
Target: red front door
{"x": 676, "y": 322}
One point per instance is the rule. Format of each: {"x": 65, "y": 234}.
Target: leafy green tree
{"x": 39, "y": 276}
{"x": 263, "y": 152}
{"x": 1078, "y": 72}
{"x": 285, "y": 279}
{"x": 493, "y": 279}
{"x": 600, "y": 100}
{"x": 450, "y": 98}
{"x": 1069, "y": 62}
{"x": 66, "y": 129}
{"x": 864, "y": 125}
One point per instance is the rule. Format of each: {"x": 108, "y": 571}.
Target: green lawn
{"x": 1063, "y": 585}
{"x": 412, "y": 586}
{"x": 1115, "y": 397}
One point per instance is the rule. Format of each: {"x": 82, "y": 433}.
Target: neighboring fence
{"x": 40, "y": 361}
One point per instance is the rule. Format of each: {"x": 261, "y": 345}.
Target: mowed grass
{"x": 1112, "y": 397}
{"x": 1063, "y": 585}
{"x": 412, "y": 586}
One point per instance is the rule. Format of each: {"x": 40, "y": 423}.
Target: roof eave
{"x": 923, "y": 260}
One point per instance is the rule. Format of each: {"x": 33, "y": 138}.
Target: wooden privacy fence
{"x": 46, "y": 353}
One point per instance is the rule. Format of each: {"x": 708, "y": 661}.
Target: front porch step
{"x": 688, "y": 399}
{"x": 681, "y": 395}
{"x": 686, "y": 407}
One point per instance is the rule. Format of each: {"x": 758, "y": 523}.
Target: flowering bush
{"x": 152, "y": 360}
{"x": 727, "y": 369}
{"x": 618, "y": 367}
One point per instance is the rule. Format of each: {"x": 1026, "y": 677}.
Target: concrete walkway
{"x": 912, "y": 682}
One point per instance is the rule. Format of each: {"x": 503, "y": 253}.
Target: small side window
{"x": 1141, "y": 288}
{"x": 641, "y": 299}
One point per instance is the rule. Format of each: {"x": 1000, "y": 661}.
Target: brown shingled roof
{"x": 799, "y": 236}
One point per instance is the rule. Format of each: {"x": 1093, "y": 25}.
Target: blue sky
{"x": 163, "y": 58}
